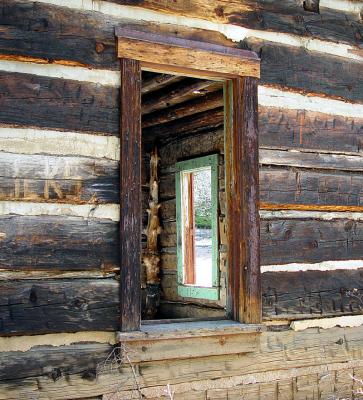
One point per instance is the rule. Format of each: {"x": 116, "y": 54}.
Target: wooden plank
{"x": 58, "y": 243}
{"x": 169, "y": 349}
{"x": 241, "y": 160}
{"x": 310, "y": 292}
{"x": 68, "y": 105}
{"x": 289, "y": 17}
{"x": 130, "y": 195}
{"x": 69, "y": 305}
{"x": 297, "y": 186}
{"x": 309, "y": 241}
{"x": 309, "y": 71}
{"x": 75, "y": 180}
{"x": 174, "y": 52}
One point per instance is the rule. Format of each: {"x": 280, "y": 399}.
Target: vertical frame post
{"x": 130, "y": 195}
{"x": 241, "y": 159}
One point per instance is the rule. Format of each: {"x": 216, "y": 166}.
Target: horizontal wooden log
{"x": 58, "y": 179}
{"x": 310, "y": 187}
{"x": 311, "y": 292}
{"x": 308, "y": 71}
{"x": 304, "y": 129}
{"x": 284, "y": 128}
{"x": 60, "y": 243}
{"x": 157, "y": 81}
{"x": 53, "y": 373}
{"x": 311, "y": 159}
{"x": 72, "y": 37}
{"x": 69, "y": 305}
{"x": 288, "y": 17}
{"x": 32, "y": 100}
{"x": 308, "y": 240}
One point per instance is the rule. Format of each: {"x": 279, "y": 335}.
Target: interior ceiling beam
{"x": 188, "y": 125}
{"x": 158, "y": 81}
{"x": 208, "y": 102}
{"x": 188, "y": 89}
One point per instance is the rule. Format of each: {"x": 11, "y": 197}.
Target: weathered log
{"x": 58, "y": 179}
{"x": 310, "y": 240}
{"x": 73, "y": 37}
{"x": 313, "y": 188}
{"x": 287, "y": 17}
{"x": 69, "y": 305}
{"x": 309, "y": 71}
{"x": 68, "y": 105}
{"x": 311, "y": 292}
{"x": 58, "y": 242}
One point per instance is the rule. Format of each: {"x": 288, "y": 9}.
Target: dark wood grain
{"x": 302, "y": 186}
{"x": 62, "y": 104}
{"x": 43, "y": 306}
{"x": 58, "y": 243}
{"x": 310, "y": 240}
{"x": 309, "y": 71}
{"x": 130, "y": 195}
{"x": 73, "y": 179}
{"x": 311, "y": 292}
{"x": 241, "y": 152}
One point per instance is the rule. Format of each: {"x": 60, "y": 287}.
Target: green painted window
{"x": 197, "y": 227}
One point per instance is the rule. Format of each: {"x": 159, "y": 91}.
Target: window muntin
{"x": 197, "y": 247}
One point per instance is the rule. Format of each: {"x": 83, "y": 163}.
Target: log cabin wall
{"x": 59, "y": 115}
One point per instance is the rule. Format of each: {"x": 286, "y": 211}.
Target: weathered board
{"x": 28, "y": 177}
{"x": 58, "y": 243}
{"x": 69, "y": 305}
{"x": 68, "y": 105}
{"x": 311, "y": 292}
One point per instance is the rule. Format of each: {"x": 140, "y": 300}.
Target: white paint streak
{"x": 350, "y": 321}
{"x": 325, "y": 216}
{"x": 271, "y": 97}
{"x": 38, "y": 141}
{"x": 99, "y": 211}
{"x": 103, "y": 77}
{"x": 25, "y": 343}
{"x": 322, "y": 266}
{"x": 354, "y": 7}
{"x": 233, "y": 32}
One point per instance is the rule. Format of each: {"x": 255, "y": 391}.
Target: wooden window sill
{"x": 190, "y": 339}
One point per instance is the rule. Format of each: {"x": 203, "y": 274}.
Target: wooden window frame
{"x": 239, "y": 69}
{"x": 191, "y": 290}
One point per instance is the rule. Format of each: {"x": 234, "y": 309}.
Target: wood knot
{"x": 100, "y": 47}
{"x": 33, "y": 295}
{"x": 222, "y": 340}
{"x": 55, "y": 374}
{"x": 348, "y": 226}
{"x": 90, "y": 374}
{"x": 219, "y": 11}
{"x": 80, "y": 303}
